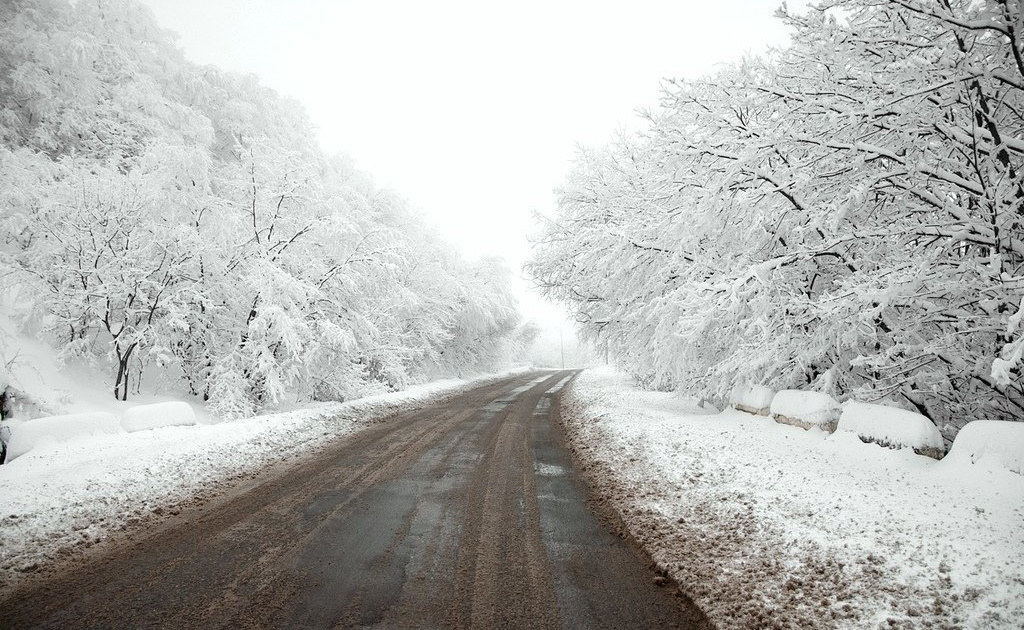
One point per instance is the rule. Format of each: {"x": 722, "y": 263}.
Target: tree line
{"x": 843, "y": 215}
{"x": 162, "y": 217}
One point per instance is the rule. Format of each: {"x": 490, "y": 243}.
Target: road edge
{"x": 601, "y": 502}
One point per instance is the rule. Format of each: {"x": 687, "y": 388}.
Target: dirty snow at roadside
{"x": 69, "y": 495}
{"x": 770, "y": 526}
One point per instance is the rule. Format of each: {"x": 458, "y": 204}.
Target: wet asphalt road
{"x": 465, "y": 513}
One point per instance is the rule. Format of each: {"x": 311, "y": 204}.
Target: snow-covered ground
{"x": 771, "y": 526}
{"x": 62, "y": 497}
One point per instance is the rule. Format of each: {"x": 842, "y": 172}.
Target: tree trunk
{"x": 121, "y": 383}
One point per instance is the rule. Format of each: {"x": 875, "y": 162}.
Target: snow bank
{"x": 29, "y": 434}
{"x": 799, "y": 529}
{"x": 756, "y": 399}
{"x": 167, "y": 414}
{"x": 991, "y": 442}
{"x": 892, "y": 427}
{"x": 806, "y": 409}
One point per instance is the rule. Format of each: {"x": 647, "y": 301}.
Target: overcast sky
{"x": 471, "y": 110}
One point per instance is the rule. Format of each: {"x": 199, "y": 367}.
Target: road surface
{"x": 465, "y": 513}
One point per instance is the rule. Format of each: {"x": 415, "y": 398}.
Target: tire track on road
{"x": 465, "y": 513}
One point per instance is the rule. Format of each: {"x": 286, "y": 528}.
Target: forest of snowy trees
{"x": 159, "y": 214}
{"x": 845, "y": 215}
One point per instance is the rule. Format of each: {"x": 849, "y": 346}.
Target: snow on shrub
{"x": 5, "y": 392}
{"x": 756, "y": 399}
{"x": 998, "y": 442}
{"x": 805, "y": 409}
{"x": 892, "y": 427}
{"x": 167, "y": 414}
{"x": 27, "y": 435}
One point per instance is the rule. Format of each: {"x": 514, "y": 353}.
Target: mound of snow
{"x": 29, "y": 434}
{"x": 806, "y": 409}
{"x": 992, "y": 441}
{"x": 756, "y": 399}
{"x": 892, "y": 427}
{"x": 166, "y": 414}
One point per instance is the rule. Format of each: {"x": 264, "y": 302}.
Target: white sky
{"x": 471, "y": 110}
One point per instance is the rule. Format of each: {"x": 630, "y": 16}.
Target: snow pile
{"x": 806, "y": 409}
{"x": 755, "y": 399}
{"x": 158, "y": 415}
{"x": 892, "y": 427}
{"x": 31, "y": 434}
{"x": 990, "y": 442}
{"x": 26, "y": 435}
{"x": 770, "y": 528}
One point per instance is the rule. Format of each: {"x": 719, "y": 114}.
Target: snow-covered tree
{"x": 844, "y": 214}
{"x": 162, "y": 215}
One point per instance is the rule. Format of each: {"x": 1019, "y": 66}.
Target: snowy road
{"x": 463, "y": 513}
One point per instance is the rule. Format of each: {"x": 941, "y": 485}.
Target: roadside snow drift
{"x": 30, "y": 434}
{"x": 806, "y": 409}
{"x": 769, "y": 526}
{"x": 990, "y": 442}
{"x": 756, "y": 399}
{"x": 156, "y": 416}
{"x": 892, "y": 427}
{"x": 26, "y": 435}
